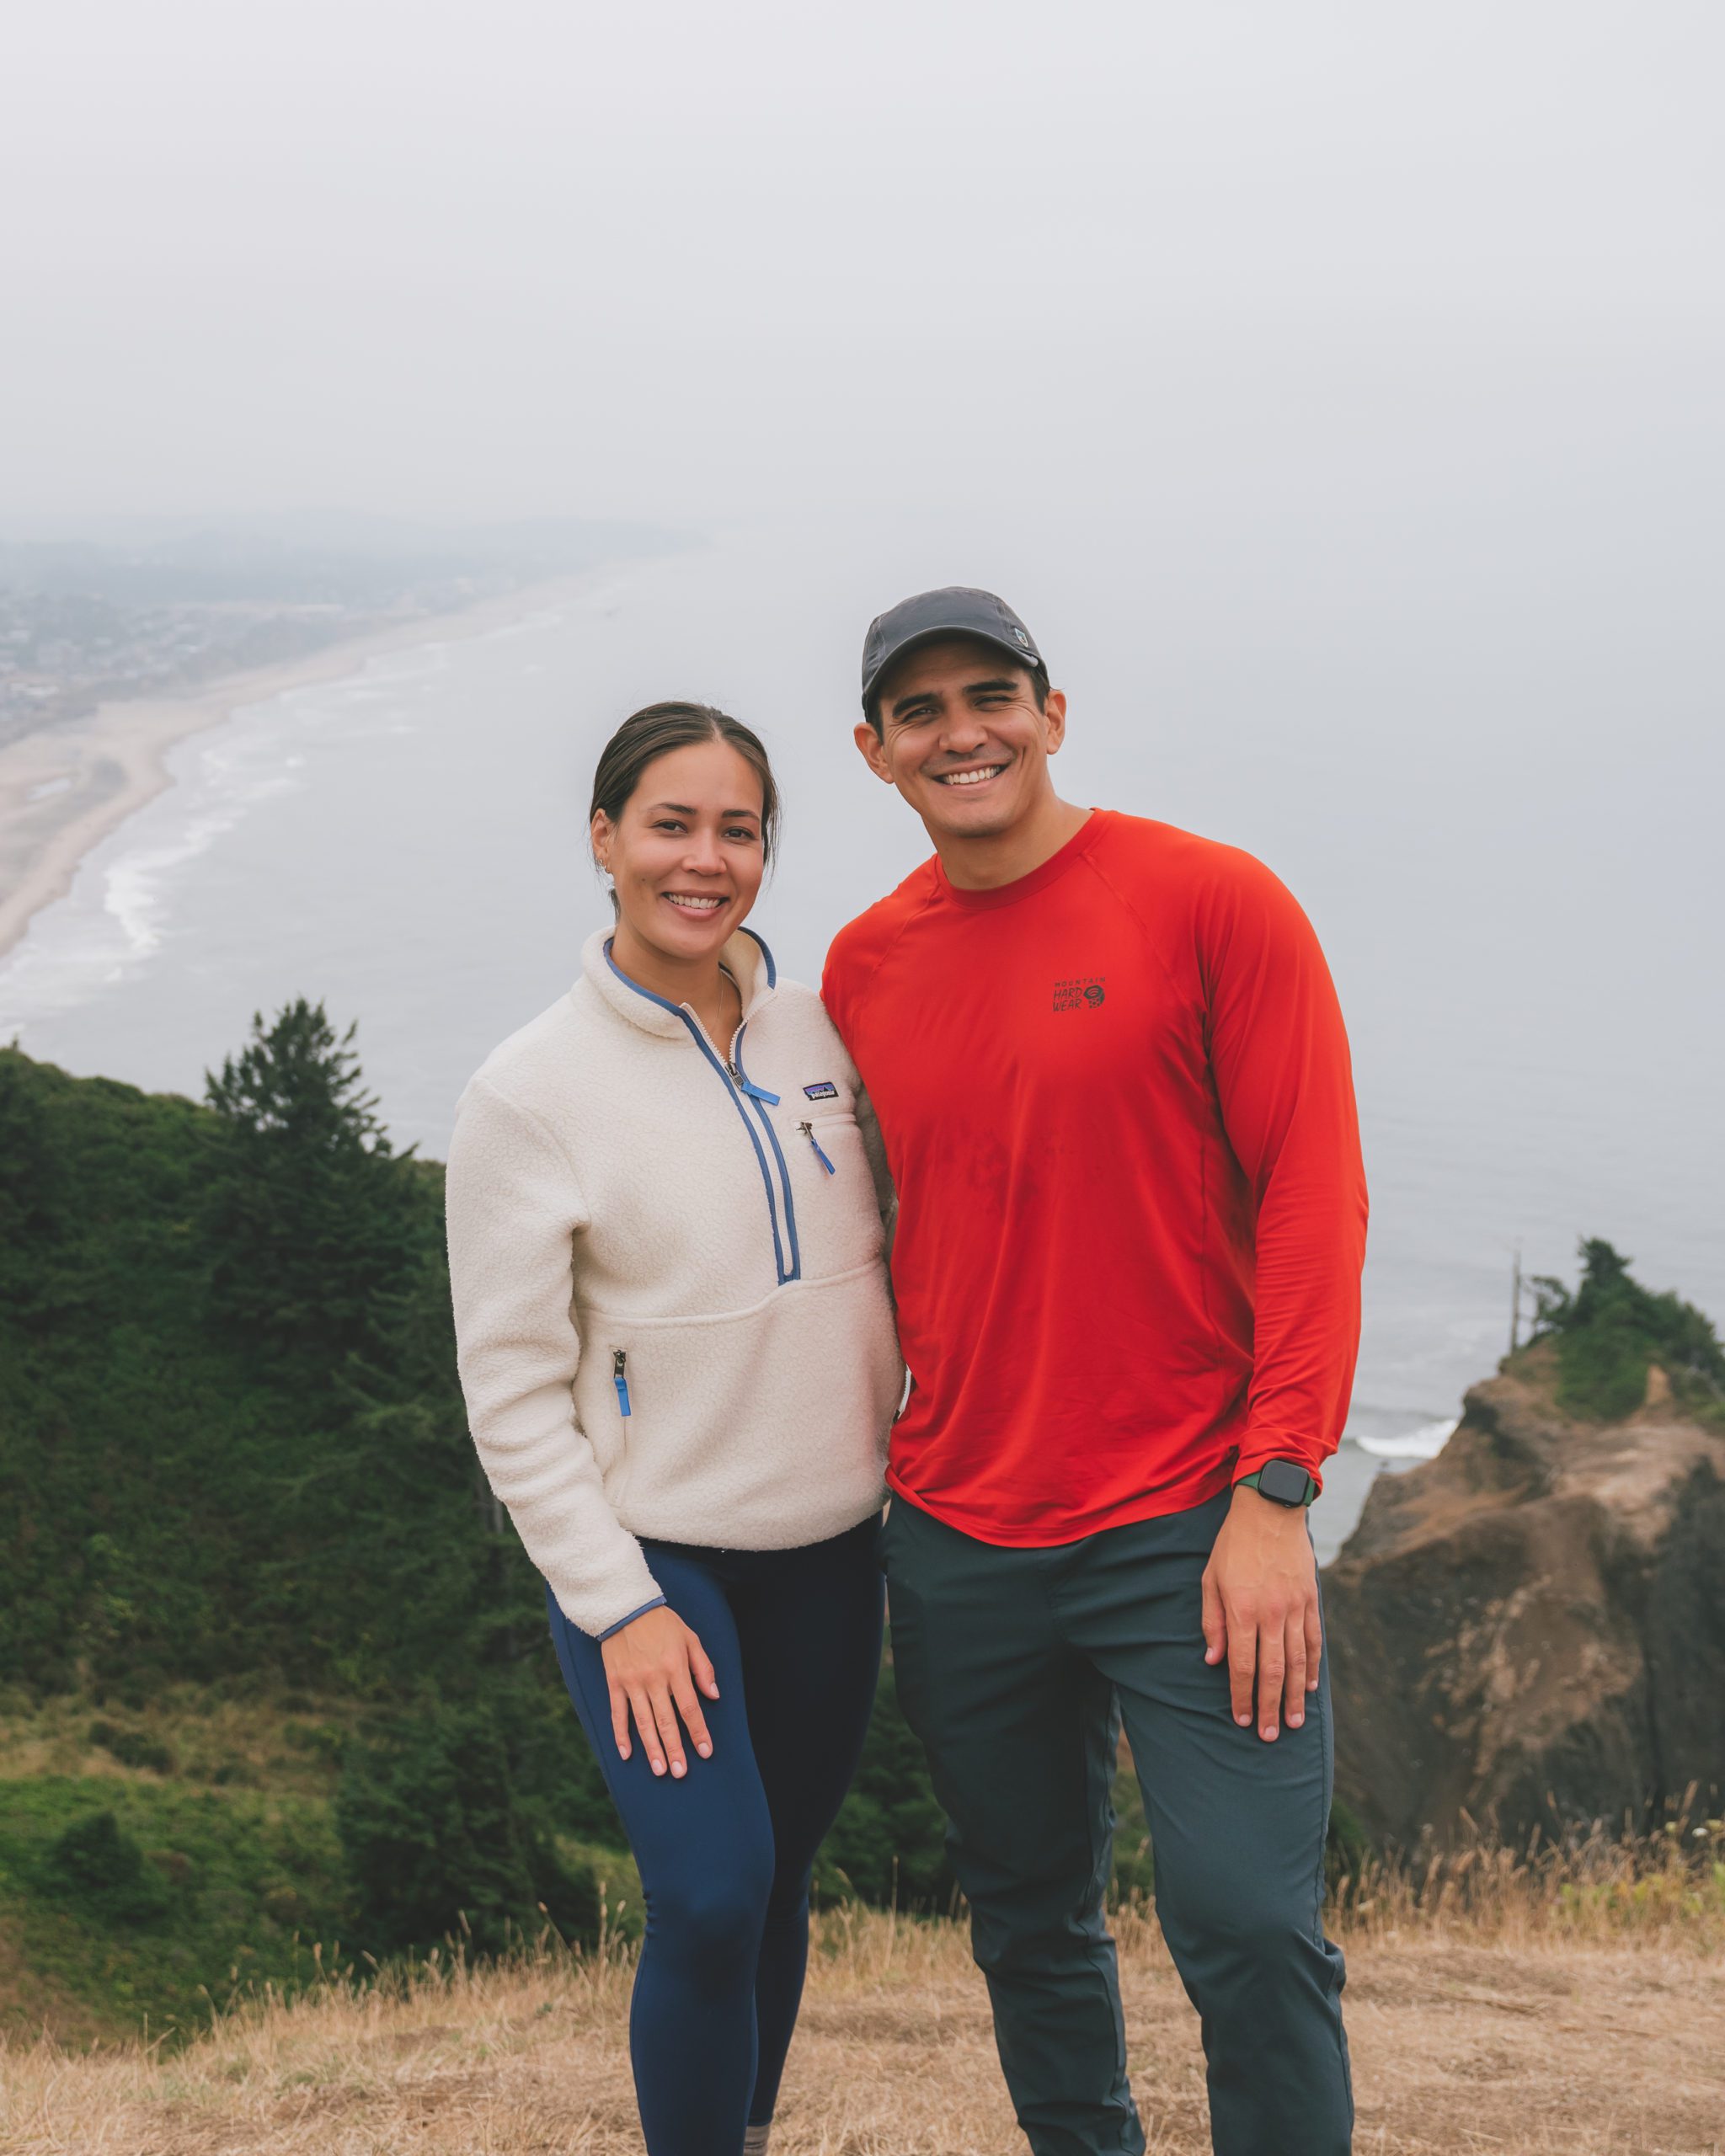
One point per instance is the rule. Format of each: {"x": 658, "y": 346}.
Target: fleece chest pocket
{"x": 807, "y": 1128}
{"x": 834, "y": 1143}
{"x": 836, "y": 1202}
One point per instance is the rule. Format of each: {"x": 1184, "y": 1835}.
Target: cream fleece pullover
{"x": 670, "y": 1300}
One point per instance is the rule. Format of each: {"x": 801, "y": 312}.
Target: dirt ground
{"x": 1607, "y": 2048}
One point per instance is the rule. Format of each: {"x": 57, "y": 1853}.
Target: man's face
{"x": 961, "y": 737}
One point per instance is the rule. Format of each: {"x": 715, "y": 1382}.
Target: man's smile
{"x": 974, "y": 776}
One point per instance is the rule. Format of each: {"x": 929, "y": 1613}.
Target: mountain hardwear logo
{"x": 1085, "y": 993}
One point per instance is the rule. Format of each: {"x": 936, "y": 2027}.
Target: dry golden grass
{"x": 1571, "y": 2006}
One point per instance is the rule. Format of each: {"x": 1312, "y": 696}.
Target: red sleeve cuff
{"x": 1259, "y": 1452}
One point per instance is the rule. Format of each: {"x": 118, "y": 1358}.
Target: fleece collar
{"x": 745, "y": 956}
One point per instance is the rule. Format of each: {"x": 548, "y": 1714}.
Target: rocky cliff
{"x": 1529, "y": 1629}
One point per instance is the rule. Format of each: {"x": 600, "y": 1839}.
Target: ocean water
{"x": 1506, "y": 837}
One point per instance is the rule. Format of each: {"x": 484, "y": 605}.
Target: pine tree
{"x": 29, "y": 1197}
{"x": 436, "y": 1837}
{"x": 317, "y": 1237}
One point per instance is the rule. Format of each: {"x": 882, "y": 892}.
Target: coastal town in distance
{"x": 116, "y": 643}
{"x": 163, "y": 607}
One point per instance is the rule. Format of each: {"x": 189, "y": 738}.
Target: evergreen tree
{"x": 29, "y": 1237}
{"x": 435, "y": 1836}
{"x": 315, "y": 1233}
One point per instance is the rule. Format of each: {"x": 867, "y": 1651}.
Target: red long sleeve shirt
{"x": 1117, "y": 1108}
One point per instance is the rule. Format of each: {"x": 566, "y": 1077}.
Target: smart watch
{"x": 1283, "y": 1481}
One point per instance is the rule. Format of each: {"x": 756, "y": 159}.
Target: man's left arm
{"x": 1279, "y": 1054}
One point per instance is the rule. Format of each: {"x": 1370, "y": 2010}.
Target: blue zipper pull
{"x": 744, "y": 1084}
{"x": 755, "y": 1092}
{"x": 808, "y": 1131}
{"x": 620, "y": 1377}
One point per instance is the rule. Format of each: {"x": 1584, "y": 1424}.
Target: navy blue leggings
{"x": 725, "y": 1854}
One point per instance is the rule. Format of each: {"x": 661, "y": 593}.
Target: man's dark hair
{"x": 656, "y": 729}
{"x": 1038, "y": 680}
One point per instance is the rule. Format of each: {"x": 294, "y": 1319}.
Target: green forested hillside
{"x": 273, "y": 1671}
{"x": 230, "y": 1438}
{"x": 239, "y": 1504}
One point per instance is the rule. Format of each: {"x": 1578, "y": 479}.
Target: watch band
{"x": 1289, "y": 1483}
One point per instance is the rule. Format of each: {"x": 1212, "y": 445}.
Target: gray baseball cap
{"x": 956, "y": 609}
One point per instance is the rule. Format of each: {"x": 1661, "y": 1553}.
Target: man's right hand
{"x": 652, "y": 1667}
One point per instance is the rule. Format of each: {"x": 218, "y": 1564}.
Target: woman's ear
{"x": 600, "y": 833}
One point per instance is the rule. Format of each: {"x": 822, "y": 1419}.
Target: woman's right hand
{"x": 654, "y": 1666}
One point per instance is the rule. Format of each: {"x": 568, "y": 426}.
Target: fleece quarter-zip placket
{"x": 786, "y": 1257}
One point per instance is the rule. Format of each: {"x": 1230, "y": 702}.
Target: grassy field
{"x": 1571, "y": 2006}
{"x": 227, "y": 1800}
{"x": 226, "y": 1793}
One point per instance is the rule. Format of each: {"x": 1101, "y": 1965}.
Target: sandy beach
{"x": 64, "y": 789}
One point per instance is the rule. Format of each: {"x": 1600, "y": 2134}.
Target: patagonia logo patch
{"x": 1080, "y": 994}
{"x": 825, "y": 1091}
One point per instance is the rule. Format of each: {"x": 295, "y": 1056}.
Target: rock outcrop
{"x": 1529, "y": 1629}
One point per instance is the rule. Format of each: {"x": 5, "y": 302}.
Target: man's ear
{"x": 873, "y": 751}
{"x": 1054, "y": 712}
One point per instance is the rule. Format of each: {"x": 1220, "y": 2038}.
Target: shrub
{"x": 96, "y": 1865}
{"x": 1346, "y": 1852}
{"x": 889, "y": 1839}
{"x": 131, "y": 1747}
{"x": 436, "y": 1839}
{"x": 1611, "y": 1331}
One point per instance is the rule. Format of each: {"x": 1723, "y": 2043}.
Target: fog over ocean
{"x": 1507, "y": 839}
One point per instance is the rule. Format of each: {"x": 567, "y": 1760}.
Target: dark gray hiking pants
{"x": 1015, "y": 1668}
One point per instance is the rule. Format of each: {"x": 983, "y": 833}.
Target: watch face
{"x": 1281, "y": 1479}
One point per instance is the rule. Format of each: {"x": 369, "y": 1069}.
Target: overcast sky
{"x": 689, "y": 261}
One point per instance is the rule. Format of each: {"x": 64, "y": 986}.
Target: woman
{"x": 677, "y": 1342}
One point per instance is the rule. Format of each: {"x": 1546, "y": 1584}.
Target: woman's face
{"x": 685, "y": 854}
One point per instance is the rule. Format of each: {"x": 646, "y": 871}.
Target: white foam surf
{"x": 1425, "y": 1443}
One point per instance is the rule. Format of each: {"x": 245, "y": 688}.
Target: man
{"x": 1114, "y": 1088}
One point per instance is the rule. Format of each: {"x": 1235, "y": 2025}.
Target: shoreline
{"x": 64, "y": 789}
